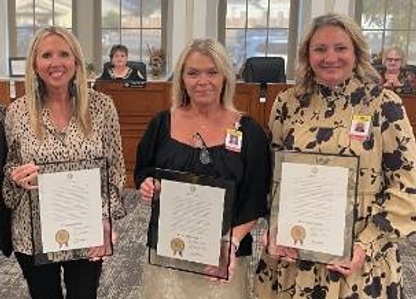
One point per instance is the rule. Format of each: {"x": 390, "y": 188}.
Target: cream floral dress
{"x": 386, "y": 207}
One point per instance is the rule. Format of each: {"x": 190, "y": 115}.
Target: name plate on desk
{"x": 404, "y": 90}
{"x": 313, "y": 205}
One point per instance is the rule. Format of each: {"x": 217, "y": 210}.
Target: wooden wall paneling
{"x": 247, "y": 100}
{"x": 20, "y": 88}
{"x": 136, "y": 107}
{"x": 409, "y": 102}
{"x": 273, "y": 89}
{"x": 5, "y": 92}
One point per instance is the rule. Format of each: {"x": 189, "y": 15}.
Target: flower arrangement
{"x": 376, "y": 58}
{"x": 90, "y": 68}
{"x": 156, "y": 60}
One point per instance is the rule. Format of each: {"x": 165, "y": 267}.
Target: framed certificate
{"x": 17, "y": 66}
{"x": 313, "y": 204}
{"x": 194, "y": 216}
{"x": 68, "y": 208}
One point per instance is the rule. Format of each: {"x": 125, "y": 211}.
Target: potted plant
{"x": 156, "y": 61}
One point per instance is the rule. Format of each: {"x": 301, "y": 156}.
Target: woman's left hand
{"x": 352, "y": 266}
{"x": 100, "y": 252}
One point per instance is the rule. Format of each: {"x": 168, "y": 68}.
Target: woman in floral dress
{"x": 335, "y": 83}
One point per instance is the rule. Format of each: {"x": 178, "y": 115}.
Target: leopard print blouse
{"x": 67, "y": 145}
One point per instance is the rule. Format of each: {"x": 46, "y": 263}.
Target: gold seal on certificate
{"x": 313, "y": 204}
{"x": 298, "y": 233}
{"x": 62, "y": 238}
{"x": 68, "y": 209}
{"x": 194, "y": 214}
{"x": 178, "y": 246}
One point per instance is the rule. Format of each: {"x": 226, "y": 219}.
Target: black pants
{"x": 81, "y": 278}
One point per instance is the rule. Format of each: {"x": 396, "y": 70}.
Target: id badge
{"x": 234, "y": 140}
{"x": 360, "y": 127}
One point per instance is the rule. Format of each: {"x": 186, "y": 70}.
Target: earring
{"x": 73, "y": 91}
{"x": 185, "y": 99}
{"x": 39, "y": 88}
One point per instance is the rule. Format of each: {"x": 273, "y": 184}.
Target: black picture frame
{"x": 226, "y": 220}
{"x": 17, "y": 66}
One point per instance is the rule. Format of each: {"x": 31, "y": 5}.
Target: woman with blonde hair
{"x": 58, "y": 119}
{"x": 336, "y": 84}
{"x": 197, "y": 135}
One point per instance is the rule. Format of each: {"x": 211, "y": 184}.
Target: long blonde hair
{"x": 34, "y": 86}
{"x": 305, "y": 77}
{"x": 222, "y": 61}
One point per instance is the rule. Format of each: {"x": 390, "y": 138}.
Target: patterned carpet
{"x": 122, "y": 272}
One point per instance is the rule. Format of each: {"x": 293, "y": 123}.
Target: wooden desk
{"x": 409, "y": 102}
{"x": 6, "y": 86}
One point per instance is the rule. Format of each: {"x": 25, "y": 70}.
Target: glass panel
{"x": 43, "y": 13}
{"x": 412, "y": 12}
{"x": 277, "y": 45}
{"x": 131, "y": 39}
{"x": 374, "y": 39}
{"x": 397, "y": 13}
{"x": 152, "y": 14}
{"x": 152, "y": 39}
{"x": 109, "y": 37}
{"x": 235, "y": 41}
{"x": 279, "y": 13}
{"x": 373, "y": 14}
{"x": 130, "y": 14}
{"x": 396, "y": 38}
{"x": 63, "y": 13}
{"x": 24, "y": 13}
{"x": 110, "y": 14}
{"x": 411, "y": 55}
{"x": 236, "y": 14}
{"x": 24, "y": 36}
{"x": 257, "y": 14}
{"x": 256, "y": 42}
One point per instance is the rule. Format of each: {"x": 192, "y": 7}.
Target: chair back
{"x": 264, "y": 70}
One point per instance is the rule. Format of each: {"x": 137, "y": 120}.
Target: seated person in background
{"x": 119, "y": 70}
{"x": 393, "y": 74}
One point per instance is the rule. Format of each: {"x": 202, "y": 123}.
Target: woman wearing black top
{"x": 118, "y": 69}
{"x": 198, "y": 135}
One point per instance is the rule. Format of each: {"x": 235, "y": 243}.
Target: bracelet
{"x": 236, "y": 243}
{"x": 233, "y": 241}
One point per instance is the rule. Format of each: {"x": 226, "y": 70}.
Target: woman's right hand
{"x": 287, "y": 254}
{"x": 26, "y": 176}
{"x": 148, "y": 188}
